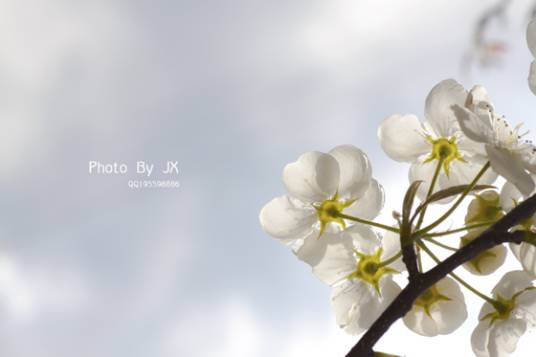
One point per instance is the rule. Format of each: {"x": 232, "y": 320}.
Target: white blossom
{"x": 531, "y": 42}
{"x": 405, "y": 138}
{"x": 440, "y": 310}
{"x": 320, "y": 187}
{"x": 501, "y": 326}
{"x": 509, "y": 155}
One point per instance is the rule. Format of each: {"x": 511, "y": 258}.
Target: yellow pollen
{"x": 329, "y": 210}
{"x": 445, "y": 150}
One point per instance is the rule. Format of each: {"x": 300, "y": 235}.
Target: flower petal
{"x": 526, "y": 254}
{"x": 331, "y": 256}
{"x": 391, "y": 246}
{"x": 438, "y": 106}
{"x": 473, "y": 126}
{"x": 509, "y": 166}
{"x": 287, "y": 218}
{"x": 504, "y": 337}
{"x": 424, "y": 172}
{"x": 512, "y": 283}
{"x": 355, "y": 171}
{"x": 370, "y": 205}
{"x": 510, "y": 196}
{"x": 402, "y": 138}
{"x": 463, "y": 173}
{"x": 451, "y": 314}
{"x": 480, "y": 339}
{"x": 314, "y": 177}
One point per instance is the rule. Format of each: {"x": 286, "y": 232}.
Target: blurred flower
{"x": 502, "y": 324}
{"x": 485, "y": 207}
{"x": 440, "y": 310}
{"x": 509, "y": 156}
{"x": 357, "y": 264}
{"x": 404, "y": 138}
{"x": 322, "y": 186}
{"x": 531, "y": 42}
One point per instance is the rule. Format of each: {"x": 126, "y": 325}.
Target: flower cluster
{"x": 327, "y": 218}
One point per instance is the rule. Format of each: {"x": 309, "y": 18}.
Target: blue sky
{"x": 232, "y": 90}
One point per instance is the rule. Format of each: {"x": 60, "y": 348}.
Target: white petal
{"x": 510, "y": 196}
{"x": 314, "y": 177}
{"x": 480, "y": 339}
{"x": 357, "y": 304}
{"x": 391, "y": 246}
{"x": 509, "y": 166}
{"x": 402, "y": 138}
{"x": 473, "y": 126}
{"x": 355, "y": 171}
{"x": 512, "y": 283}
{"x": 424, "y": 172}
{"x": 370, "y": 205}
{"x": 504, "y": 337}
{"x": 462, "y": 173}
{"x": 331, "y": 256}
{"x": 532, "y": 77}
{"x": 363, "y": 238}
{"x": 287, "y": 218}
{"x": 419, "y": 322}
{"x": 526, "y": 254}
{"x": 531, "y": 37}
{"x": 438, "y": 106}
{"x": 526, "y": 307}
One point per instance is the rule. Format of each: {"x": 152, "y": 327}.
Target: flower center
{"x": 485, "y": 207}
{"x": 444, "y": 150}
{"x": 503, "y": 309}
{"x": 430, "y": 297}
{"x": 329, "y": 210}
{"x": 370, "y": 269}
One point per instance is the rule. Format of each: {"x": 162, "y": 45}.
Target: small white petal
{"x": 370, "y": 205}
{"x": 463, "y": 173}
{"x": 331, "y": 256}
{"x": 438, "y": 106}
{"x": 512, "y": 283}
{"x": 391, "y": 246}
{"x": 510, "y": 196}
{"x": 504, "y": 337}
{"x": 509, "y": 166}
{"x": 287, "y": 218}
{"x": 314, "y": 177}
{"x": 480, "y": 339}
{"x": 473, "y": 126}
{"x": 355, "y": 171}
{"x": 402, "y": 138}
{"x": 363, "y": 238}
{"x": 526, "y": 254}
{"x": 424, "y": 172}
{"x": 526, "y": 307}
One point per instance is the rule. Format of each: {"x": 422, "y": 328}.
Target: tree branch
{"x": 495, "y": 235}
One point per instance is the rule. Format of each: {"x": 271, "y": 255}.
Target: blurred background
{"x": 233, "y": 91}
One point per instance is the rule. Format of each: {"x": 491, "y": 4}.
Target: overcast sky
{"x": 232, "y": 90}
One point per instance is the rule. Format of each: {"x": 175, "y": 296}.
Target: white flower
{"x": 486, "y": 262}
{"x": 404, "y": 138}
{"x": 531, "y": 41}
{"x": 509, "y": 156}
{"x": 440, "y": 310}
{"x": 501, "y": 326}
{"x": 524, "y": 252}
{"x": 321, "y": 186}
{"x": 351, "y": 262}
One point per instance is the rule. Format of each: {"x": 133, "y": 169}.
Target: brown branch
{"x": 495, "y": 235}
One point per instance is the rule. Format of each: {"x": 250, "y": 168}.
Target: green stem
{"x": 430, "y": 191}
{"x": 483, "y": 296}
{"x": 367, "y": 222}
{"x": 456, "y": 204}
{"x": 458, "y": 230}
{"x": 439, "y": 244}
{"x": 391, "y": 260}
